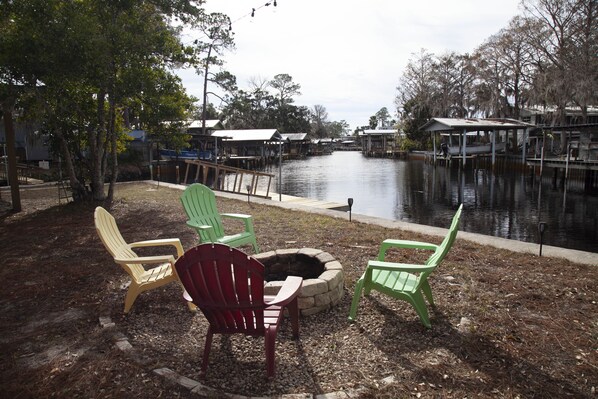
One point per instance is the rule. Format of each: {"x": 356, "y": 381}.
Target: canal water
{"x": 508, "y": 205}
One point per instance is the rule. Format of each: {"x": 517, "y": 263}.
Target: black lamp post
{"x": 248, "y": 187}
{"x": 541, "y": 229}
{"x": 350, "y": 202}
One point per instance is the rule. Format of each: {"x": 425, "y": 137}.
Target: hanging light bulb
{"x": 230, "y": 26}
{"x": 253, "y": 12}
{"x": 274, "y": 3}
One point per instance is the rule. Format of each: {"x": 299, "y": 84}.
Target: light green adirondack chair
{"x": 199, "y": 203}
{"x": 405, "y": 281}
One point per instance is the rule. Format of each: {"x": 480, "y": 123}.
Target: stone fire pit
{"x": 323, "y": 278}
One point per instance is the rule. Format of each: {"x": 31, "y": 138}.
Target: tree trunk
{"x": 113, "y": 152}
{"x": 97, "y": 140}
{"x": 205, "y": 98}
{"x": 80, "y": 193}
{"x": 12, "y": 177}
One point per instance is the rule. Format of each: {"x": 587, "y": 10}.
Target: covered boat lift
{"x": 462, "y": 126}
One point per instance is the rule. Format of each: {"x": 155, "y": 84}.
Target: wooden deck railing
{"x": 220, "y": 178}
{"x": 23, "y": 173}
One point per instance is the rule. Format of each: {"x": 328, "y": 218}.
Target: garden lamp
{"x": 541, "y": 229}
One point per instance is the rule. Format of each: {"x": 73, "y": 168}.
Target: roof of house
{"x": 472, "y": 124}
{"x": 210, "y": 124}
{"x": 294, "y": 136}
{"x": 570, "y": 110}
{"x": 249, "y": 135}
{"x": 322, "y": 141}
{"x": 379, "y": 132}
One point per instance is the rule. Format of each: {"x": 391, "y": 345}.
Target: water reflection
{"x": 504, "y": 205}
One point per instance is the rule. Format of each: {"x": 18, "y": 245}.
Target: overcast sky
{"x": 348, "y": 55}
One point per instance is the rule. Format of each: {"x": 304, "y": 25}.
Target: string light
{"x": 252, "y": 14}
{"x": 254, "y": 9}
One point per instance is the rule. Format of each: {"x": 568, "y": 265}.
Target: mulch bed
{"x": 506, "y": 324}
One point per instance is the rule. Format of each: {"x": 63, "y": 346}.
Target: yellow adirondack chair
{"x": 123, "y": 254}
{"x": 405, "y": 281}
{"x": 199, "y": 203}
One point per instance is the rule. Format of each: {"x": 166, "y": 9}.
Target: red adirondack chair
{"x": 228, "y": 286}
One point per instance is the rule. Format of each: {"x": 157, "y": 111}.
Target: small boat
{"x": 477, "y": 143}
{"x": 476, "y": 148}
{"x": 169, "y": 155}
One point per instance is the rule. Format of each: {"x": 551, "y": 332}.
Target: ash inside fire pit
{"x": 323, "y": 283}
{"x": 298, "y": 264}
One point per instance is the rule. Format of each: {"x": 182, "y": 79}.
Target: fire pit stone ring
{"x": 323, "y": 278}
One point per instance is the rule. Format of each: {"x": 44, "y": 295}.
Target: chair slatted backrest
{"x": 199, "y": 203}
{"x": 227, "y": 285}
{"x": 115, "y": 243}
{"x": 448, "y": 241}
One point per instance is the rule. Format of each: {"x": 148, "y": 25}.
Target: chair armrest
{"x": 235, "y": 215}
{"x": 245, "y": 218}
{"x": 209, "y": 230}
{"x": 187, "y": 296}
{"x": 289, "y": 290}
{"x": 191, "y": 223}
{"x": 400, "y": 267}
{"x": 390, "y": 243}
{"x": 175, "y": 242}
{"x": 146, "y": 259}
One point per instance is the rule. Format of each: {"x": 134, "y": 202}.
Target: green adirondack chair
{"x": 199, "y": 203}
{"x": 405, "y": 281}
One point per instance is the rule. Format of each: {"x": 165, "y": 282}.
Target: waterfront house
{"x": 576, "y": 136}
{"x": 30, "y": 144}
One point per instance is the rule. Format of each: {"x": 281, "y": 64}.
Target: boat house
{"x": 467, "y": 137}
{"x": 380, "y": 142}
{"x": 296, "y": 145}
{"x": 320, "y": 147}
{"x": 247, "y": 147}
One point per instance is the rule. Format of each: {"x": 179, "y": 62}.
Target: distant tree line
{"x": 547, "y": 57}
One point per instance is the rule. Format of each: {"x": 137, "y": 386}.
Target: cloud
{"x": 348, "y": 55}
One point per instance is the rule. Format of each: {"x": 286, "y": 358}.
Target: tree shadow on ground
{"x": 459, "y": 359}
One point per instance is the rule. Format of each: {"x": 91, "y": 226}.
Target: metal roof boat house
{"x": 296, "y": 145}
{"x": 380, "y": 142}
{"x": 476, "y": 136}
{"x": 248, "y": 147}
{"x": 320, "y": 147}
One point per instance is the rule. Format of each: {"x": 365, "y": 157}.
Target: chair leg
{"x": 256, "y": 248}
{"x": 417, "y": 300}
{"x": 132, "y": 294}
{"x": 356, "y": 297}
{"x": 293, "y": 308}
{"x": 206, "y": 352}
{"x": 427, "y": 292}
{"x": 270, "y": 341}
